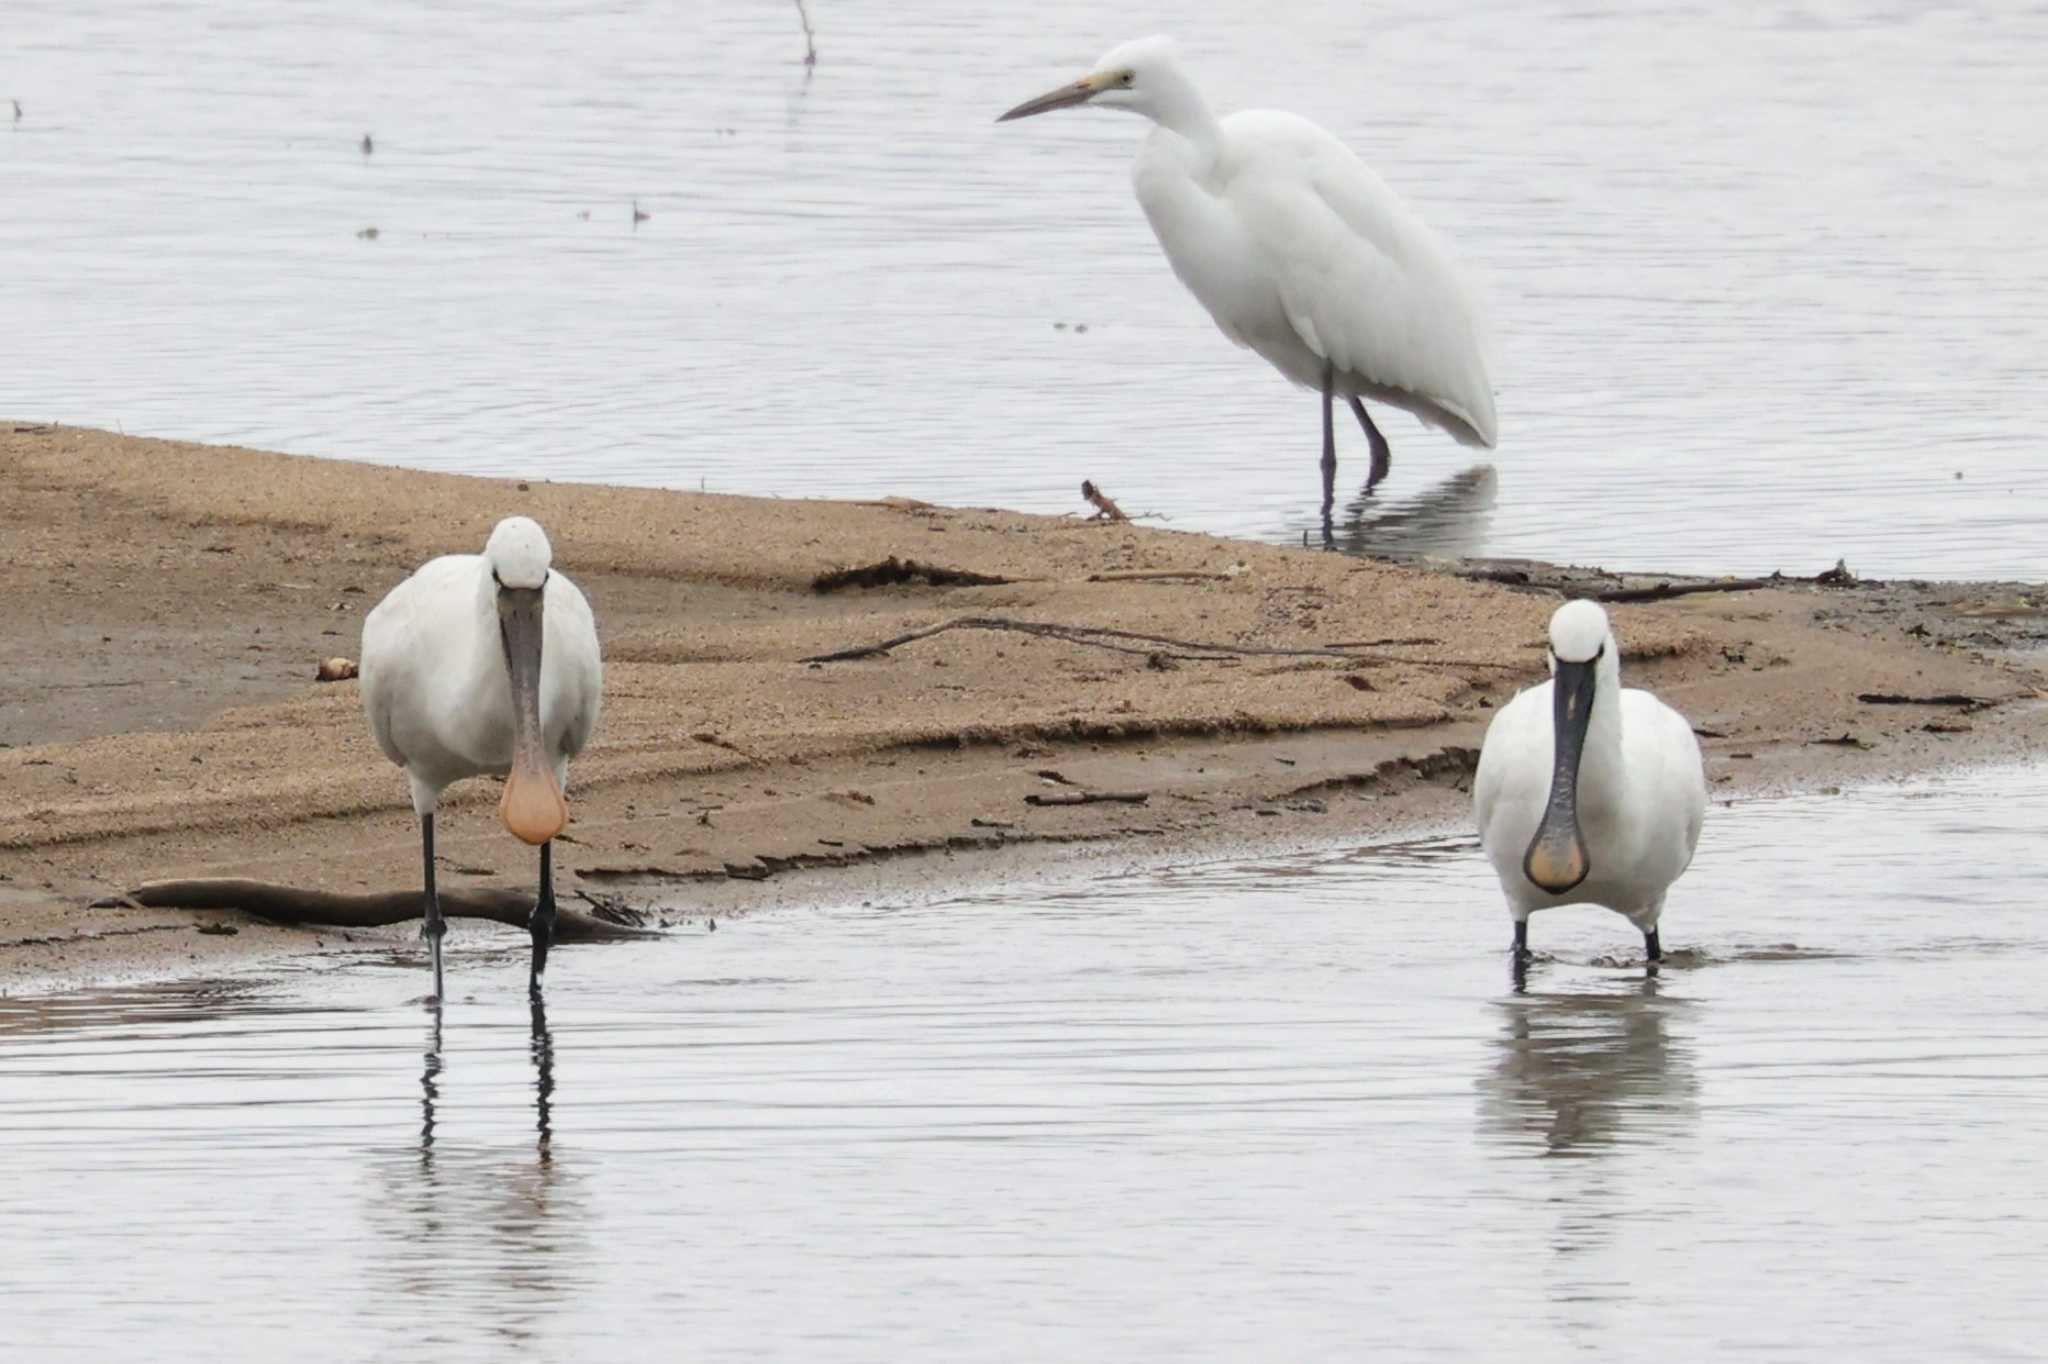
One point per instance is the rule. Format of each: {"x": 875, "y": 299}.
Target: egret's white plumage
{"x": 1298, "y": 250}
{"x": 1602, "y": 784}
{"x": 486, "y": 664}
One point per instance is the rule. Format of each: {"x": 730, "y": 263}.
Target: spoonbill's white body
{"x": 1300, "y": 252}
{"x": 1588, "y": 793}
{"x": 486, "y": 664}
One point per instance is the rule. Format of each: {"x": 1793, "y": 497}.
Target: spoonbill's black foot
{"x": 1519, "y": 956}
{"x": 541, "y": 924}
{"x": 433, "y": 927}
{"x": 433, "y": 930}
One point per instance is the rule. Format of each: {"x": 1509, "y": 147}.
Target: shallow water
{"x": 1768, "y": 283}
{"x": 1279, "y": 1109}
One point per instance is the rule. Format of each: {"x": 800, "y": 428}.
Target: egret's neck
{"x": 1177, "y": 106}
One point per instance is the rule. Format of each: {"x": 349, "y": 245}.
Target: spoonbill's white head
{"x": 1582, "y": 654}
{"x": 518, "y": 552}
{"x": 1578, "y": 632}
{"x": 1142, "y": 76}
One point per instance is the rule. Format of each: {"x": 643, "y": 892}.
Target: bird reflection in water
{"x": 542, "y": 1048}
{"x": 495, "y": 1235}
{"x": 1574, "y": 1074}
{"x": 1449, "y": 519}
{"x": 1574, "y": 1079}
{"x": 429, "y": 1091}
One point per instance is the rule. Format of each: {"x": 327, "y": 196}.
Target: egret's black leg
{"x": 1521, "y": 940}
{"x": 435, "y": 928}
{"x": 541, "y": 923}
{"x": 1382, "y": 454}
{"x": 1651, "y": 947}
{"x": 1329, "y": 451}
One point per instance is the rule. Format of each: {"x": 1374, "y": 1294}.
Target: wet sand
{"x": 167, "y": 604}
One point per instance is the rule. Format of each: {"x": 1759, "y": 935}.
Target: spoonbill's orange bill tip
{"x": 1556, "y": 869}
{"x": 532, "y": 806}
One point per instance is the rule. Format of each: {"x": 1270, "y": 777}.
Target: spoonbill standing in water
{"x": 486, "y": 663}
{"x": 1299, "y": 252}
{"x": 1587, "y": 792}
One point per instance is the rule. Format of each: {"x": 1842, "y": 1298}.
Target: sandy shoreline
{"x": 169, "y": 603}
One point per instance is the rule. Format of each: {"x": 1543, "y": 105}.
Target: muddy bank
{"x": 167, "y": 605}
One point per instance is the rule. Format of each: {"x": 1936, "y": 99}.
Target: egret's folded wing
{"x": 1362, "y": 281}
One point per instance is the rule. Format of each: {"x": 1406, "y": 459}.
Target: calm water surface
{"x": 1768, "y": 280}
{"x": 1287, "y": 1109}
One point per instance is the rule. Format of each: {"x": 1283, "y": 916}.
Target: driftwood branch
{"x": 1134, "y": 642}
{"x": 1663, "y": 590}
{"x": 1580, "y": 584}
{"x": 375, "y": 909}
{"x": 1105, "y": 509}
{"x": 1565, "y": 584}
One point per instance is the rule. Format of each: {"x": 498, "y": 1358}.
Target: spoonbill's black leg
{"x": 435, "y": 928}
{"x": 1651, "y": 947}
{"x": 541, "y": 923}
{"x": 1520, "y": 955}
{"x": 1329, "y": 451}
{"x": 1382, "y": 454}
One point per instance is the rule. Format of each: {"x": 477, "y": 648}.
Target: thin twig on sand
{"x": 1133, "y": 642}
{"x": 1160, "y": 575}
{"x": 1088, "y": 798}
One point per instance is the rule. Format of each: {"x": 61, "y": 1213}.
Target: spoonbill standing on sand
{"x": 1588, "y": 793}
{"x": 486, "y": 663}
{"x": 1298, "y": 251}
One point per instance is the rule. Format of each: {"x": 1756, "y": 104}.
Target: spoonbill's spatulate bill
{"x": 486, "y": 664}
{"x": 1300, "y": 252}
{"x": 1588, "y": 793}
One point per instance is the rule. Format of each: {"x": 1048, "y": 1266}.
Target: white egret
{"x": 1298, "y": 251}
{"x": 486, "y": 663}
{"x": 1588, "y": 793}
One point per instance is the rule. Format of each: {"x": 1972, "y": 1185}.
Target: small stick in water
{"x": 803, "y": 14}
